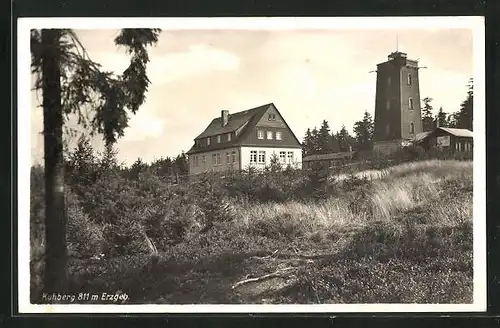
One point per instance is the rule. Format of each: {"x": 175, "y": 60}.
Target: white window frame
{"x": 253, "y": 156}
{"x": 279, "y": 135}
{"x": 262, "y": 157}
{"x": 208, "y": 141}
{"x": 218, "y": 138}
{"x": 260, "y": 134}
{"x": 218, "y": 159}
{"x": 234, "y": 156}
{"x": 229, "y": 137}
{"x": 228, "y": 158}
{"x": 269, "y": 135}
{"x": 282, "y": 156}
{"x": 290, "y": 156}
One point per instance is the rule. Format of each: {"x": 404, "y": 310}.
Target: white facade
{"x": 292, "y": 156}
{"x": 239, "y": 158}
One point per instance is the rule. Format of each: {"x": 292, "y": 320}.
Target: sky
{"x": 310, "y": 75}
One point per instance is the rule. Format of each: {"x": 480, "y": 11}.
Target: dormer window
{"x": 260, "y": 134}
{"x": 208, "y": 141}
{"x": 278, "y": 135}
{"x": 229, "y": 137}
{"x": 218, "y": 138}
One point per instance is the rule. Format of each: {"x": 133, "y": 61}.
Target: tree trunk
{"x": 55, "y": 214}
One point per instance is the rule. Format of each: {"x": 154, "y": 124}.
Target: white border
{"x": 479, "y": 177}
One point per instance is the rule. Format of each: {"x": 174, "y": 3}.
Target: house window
{"x": 229, "y": 137}
{"x": 204, "y": 161}
{"x": 208, "y": 141}
{"x": 409, "y": 79}
{"x": 282, "y": 156}
{"x": 272, "y": 117}
{"x": 234, "y": 156}
{"x": 214, "y": 159}
{"x": 262, "y": 156}
{"x": 278, "y": 135}
{"x": 388, "y": 104}
{"x": 253, "y": 156}
{"x": 269, "y": 135}
{"x": 228, "y": 158}
{"x": 260, "y": 134}
{"x": 412, "y": 128}
{"x": 218, "y": 139}
{"x": 218, "y": 159}
{"x": 410, "y": 103}
{"x": 290, "y": 156}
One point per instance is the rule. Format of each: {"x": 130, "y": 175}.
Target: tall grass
{"x": 413, "y": 215}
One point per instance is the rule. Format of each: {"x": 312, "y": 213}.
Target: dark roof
{"x": 243, "y": 121}
{"x": 235, "y": 121}
{"x": 330, "y": 156}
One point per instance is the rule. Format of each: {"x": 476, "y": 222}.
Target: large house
{"x": 248, "y": 138}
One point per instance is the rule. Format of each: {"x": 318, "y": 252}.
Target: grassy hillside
{"x": 402, "y": 234}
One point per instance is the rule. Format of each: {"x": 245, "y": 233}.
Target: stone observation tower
{"x": 397, "y": 103}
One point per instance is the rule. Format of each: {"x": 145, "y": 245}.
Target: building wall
{"x": 392, "y": 114}
{"x": 407, "y": 91}
{"x": 269, "y": 151}
{"x": 387, "y": 147}
{"x": 208, "y": 164}
{"x": 387, "y": 102}
{"x": 453, "y": 143}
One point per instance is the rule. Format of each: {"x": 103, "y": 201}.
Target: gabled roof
{"x": 242, "y": 124}
{"x": 235, "y": 121}
{"x": 458, "y": 132}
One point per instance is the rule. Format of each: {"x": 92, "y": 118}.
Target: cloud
{"x": 143, "y": 125}
{"x": 199, "y": 58}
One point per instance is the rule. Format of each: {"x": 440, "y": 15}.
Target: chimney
{"x": 224, "y": 115}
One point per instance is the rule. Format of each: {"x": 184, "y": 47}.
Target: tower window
{"x": 412, "y": 128}
{"x": 410, "y": 103}
{"x": 409, "y": 79}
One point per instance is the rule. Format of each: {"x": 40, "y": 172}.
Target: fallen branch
{"x": 265, "y": 257}
{"x": 266, "y": 276}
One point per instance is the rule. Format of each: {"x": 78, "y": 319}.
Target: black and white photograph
{"x": 200, "y": 165}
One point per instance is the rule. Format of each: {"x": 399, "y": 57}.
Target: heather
{"x": 392, "y": 230}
